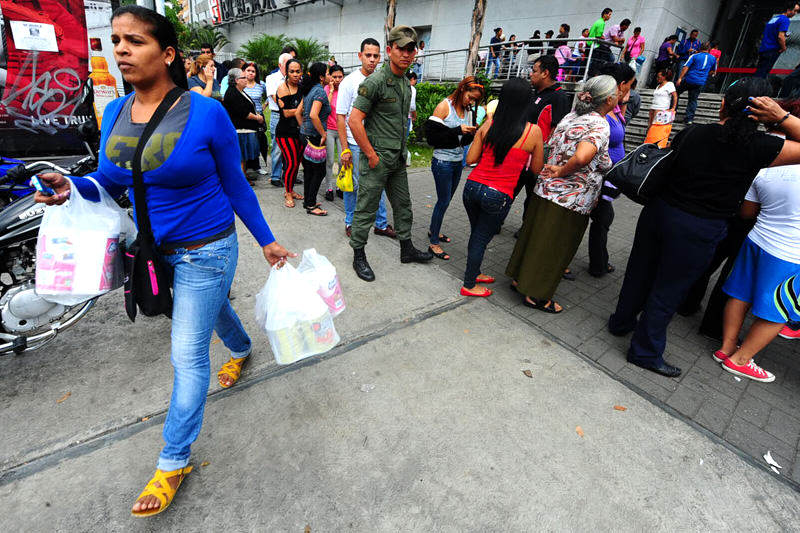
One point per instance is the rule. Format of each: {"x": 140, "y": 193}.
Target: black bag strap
{"x": 142, "y": 215}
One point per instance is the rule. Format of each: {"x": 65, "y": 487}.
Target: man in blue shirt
{"x": 773, "y": 42}
{"x": 686, "y": 48}
{"x": 693, "y": 77}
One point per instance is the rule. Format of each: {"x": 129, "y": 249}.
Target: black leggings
{"x": 313, "y": 173}
{"x": 290, "y": 154}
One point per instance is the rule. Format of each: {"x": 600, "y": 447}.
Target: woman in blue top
{"x": 313, "y": 114}
{"x": 603, "y": 213}
{"x": 194, "y": 185}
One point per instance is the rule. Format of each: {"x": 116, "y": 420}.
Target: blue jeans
{"x": 277, "y": 162}
{"x": 766, "y": 60}
{"x": 492, "y": 61}
{"x": 446, "y": 175}
{"x": 201, "y": 281}
{"x": 350, "y": 197}
{"x": 694, "y": 94}
{"x": 671, "y": 250}
{"x": 486, "y": 209}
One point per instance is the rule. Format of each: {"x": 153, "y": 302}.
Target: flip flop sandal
{"x": 319, "y": 212}
{"x": 443, "y": 255}
{"x": 442, "y": 237}
{"x": 232, "y": 369}
{"x": 288, "y": 201}
{"x": 539, "y": 306}
{"x": 297, "y": 196}
{"x": 569, "y": 276}
{"x": 165, "y": 493}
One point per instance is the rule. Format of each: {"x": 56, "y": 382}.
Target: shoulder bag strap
{"x": 142, "y": 216}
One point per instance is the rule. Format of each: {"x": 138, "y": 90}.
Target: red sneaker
{"x": 751, "y": 371}
{"x": 789, "y": 333}
{"x": 719, "y": 356}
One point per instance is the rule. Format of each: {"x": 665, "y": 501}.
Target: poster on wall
{"x": 44, "y": 65}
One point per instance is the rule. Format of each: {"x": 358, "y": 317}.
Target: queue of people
{"x": 534, "y": 139}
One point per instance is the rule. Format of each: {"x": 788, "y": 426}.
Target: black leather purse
{"x": 148, "y": 285}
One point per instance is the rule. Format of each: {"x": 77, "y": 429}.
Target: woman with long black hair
{"x": 502, "y": 148}
{"x": 678, "y": 232}
{"x": 313, "y": 113}
{"x": 194, "y": 187}
{"x": 287, "y": 132}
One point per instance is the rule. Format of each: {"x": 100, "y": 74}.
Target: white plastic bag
{"x": 77, "y": 252}
{"x": 296, "y": 320}
{"x": 321, "y": 274}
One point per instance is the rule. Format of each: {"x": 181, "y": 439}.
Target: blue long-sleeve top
{"x": 195, "y": 192}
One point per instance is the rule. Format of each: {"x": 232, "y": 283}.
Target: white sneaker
{"x": 262, "y": 172}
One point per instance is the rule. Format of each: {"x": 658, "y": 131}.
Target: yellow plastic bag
{"x": 344, "y": 180}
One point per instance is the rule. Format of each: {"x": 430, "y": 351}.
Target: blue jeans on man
{"x": 201, "y": 281}
{"x": 446, "y": 176}
{"x": 486, "y": 209}
{"x": 381, "y": 220}
{"x": 277, "y": 162}
{"x": 766, "y": 60}
{"x": 691, "y": 104}
{"x": 493, "y": 60}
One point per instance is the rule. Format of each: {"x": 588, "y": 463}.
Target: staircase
{"x": 707, "y": 111}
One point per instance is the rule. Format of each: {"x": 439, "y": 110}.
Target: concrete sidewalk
{"x": 421, "y": 420}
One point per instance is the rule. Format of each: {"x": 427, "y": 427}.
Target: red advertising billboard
{"x": 44, "y": 65}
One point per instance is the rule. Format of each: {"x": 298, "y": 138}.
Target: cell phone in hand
{"x": 39, "y": 185}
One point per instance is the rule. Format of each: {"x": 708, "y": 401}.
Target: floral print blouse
{"x": 578, "y": 191}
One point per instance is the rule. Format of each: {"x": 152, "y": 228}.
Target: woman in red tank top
{"x": 503, "y": 146}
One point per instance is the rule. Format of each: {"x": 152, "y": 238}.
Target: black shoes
{"x": 361, "y": 266}
{"x": 276, "y": 183}
{"x": 663, "y": 368}
{"x": 409, "y": 254}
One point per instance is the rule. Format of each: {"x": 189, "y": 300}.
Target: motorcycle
{"x": 27, "y": 321}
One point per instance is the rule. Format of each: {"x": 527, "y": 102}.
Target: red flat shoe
{"x": 487, "y": 279}
{"x": 465, "y": 292}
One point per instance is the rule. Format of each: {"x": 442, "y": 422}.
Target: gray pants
{"x": 331, "y": 144}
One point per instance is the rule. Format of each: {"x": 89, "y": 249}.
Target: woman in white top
{"x": 662, "y": 110}
{"x": 764, "y": 279}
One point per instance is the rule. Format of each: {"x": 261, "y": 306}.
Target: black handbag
{"x": 642, "y": 173}
{"x": 148, "y": 285}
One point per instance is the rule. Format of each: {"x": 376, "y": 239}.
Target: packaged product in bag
{"x": 77, "y": 251}
{"x": 296, "y": 320}
{"x": 321, "y": 274}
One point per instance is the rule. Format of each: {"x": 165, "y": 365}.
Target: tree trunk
{"x": 478, "y": 13}
{"x": 391, "y": 8}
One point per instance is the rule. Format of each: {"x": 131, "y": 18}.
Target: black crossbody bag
{"x": 148, "y": 285}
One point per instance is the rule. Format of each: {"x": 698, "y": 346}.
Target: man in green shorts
{"x": 379, "y": 123}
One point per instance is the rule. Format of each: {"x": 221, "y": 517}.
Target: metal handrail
{"x": 448, "y": 65}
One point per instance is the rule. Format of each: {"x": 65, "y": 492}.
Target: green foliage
{"x": 196, "y": 34}
{"x": 428, "y": 97}
{"x": 310, "y": 51}
{"x": 264, "y": 51}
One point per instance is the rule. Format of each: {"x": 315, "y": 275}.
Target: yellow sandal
{"x": 165, "y": 493}
{"x": 232, "y": 369}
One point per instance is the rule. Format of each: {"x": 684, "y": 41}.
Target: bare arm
{"x": 674, "y": 105}
{"x": 535, "y": 145}
{"x": 314, "y": 115}
{"x": 582, "y": 156}
{"x": 474, "y": 153}
{"x": 767, "y": 110}
{"x": 749, "y": 210}
{"x": 345, "y": 159}
{"x": 356, "y": 123}
{"x": 782, "y": 41}
{"x": 683, "y": 74}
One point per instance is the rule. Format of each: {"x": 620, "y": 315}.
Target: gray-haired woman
{"x": 242, "y": 110}
{"x": 565, "y": 193}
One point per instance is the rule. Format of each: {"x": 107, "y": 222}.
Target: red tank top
{"x": 504, "y": 177}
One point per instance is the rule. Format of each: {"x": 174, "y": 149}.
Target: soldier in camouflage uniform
{"x": 379, "y": 123}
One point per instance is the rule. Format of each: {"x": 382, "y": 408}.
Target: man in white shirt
{"x": 272, "y": 82}
{"x": 370, "y": 56}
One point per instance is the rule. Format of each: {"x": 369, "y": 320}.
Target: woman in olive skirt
{"x": 565, "y": 193}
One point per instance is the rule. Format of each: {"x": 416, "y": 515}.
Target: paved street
{"x": 421, "y": 419}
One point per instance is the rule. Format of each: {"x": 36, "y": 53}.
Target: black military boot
{"x": 409, "y": 254}
{"x": 360, "y": 265}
